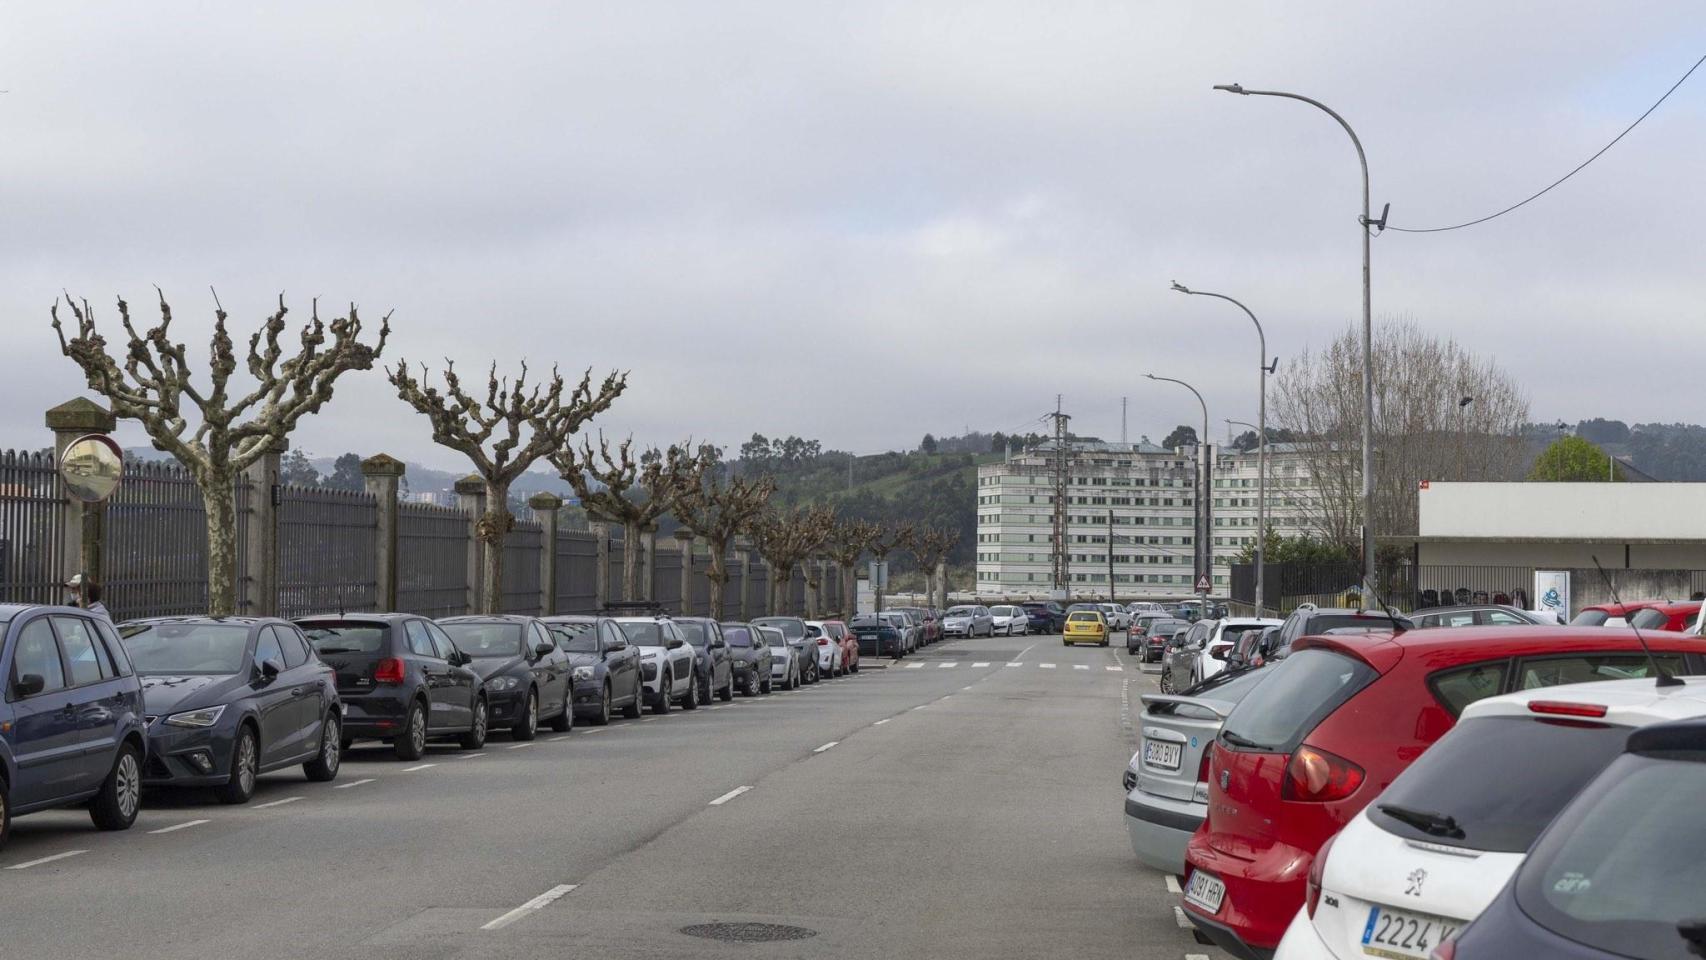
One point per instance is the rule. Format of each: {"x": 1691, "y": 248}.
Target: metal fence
{"x": 156, "y": 543}
{"x": 666, "y": 583}
{"x": 326, "y": 551}
{"x": 432, "y": 560}
{"x": 32, "y": 529}
{"x": 577, "y": 573}
{"x": 521, "y": 569}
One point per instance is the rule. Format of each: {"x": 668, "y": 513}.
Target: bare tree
{"x": 931, "y": 546}
{"x": 847, "y": 542}
{"x": 890, "y": 537}
{"x": 233, "y": 432}
{"x": 784, "y": 538}
{"x": 632, "y": 493}
{"x": 718, "y": 511}
{"x": 527, "y": 424}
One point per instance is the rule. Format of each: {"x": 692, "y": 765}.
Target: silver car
{"x": 908, "y": 628}
{"x": 1179, "y": 662}
{"x": 968, "y": 620}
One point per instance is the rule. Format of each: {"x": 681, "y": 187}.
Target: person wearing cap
{"x": 92, "y": 591}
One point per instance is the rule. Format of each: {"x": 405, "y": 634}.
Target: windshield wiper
{"x": 1433, "y": 824}
{"x": 1239, "y": 741}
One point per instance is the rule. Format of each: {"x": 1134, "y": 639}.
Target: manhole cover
{"x": 748, "y": 932}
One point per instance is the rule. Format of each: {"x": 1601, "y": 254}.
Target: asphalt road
{"x": 964, "y": 802}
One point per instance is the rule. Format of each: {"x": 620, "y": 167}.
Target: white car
{"x": 1211, "y": 659}
{"x": 666, "y": 662}
{"x": 1117, "y": 616}
{"x": 1010, "y": 621}
{"x": 1439, "y": 843}
{"x": 785, "y": 666}
{"x": 829, "y": 653}
{"x": 1146, "y": 607}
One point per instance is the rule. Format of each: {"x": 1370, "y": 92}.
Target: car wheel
{"x": 691, "y": 701}
{"x": 114, "y": 808}
{"x": 245, "y": 766}
{"x": 565, "y": 721}
{"x": 728, "y": 693}
{"x": 1166, "y": 681}
{"x": 325, "y": 764}
{"x": 411, "y": 744}
{"x": 603, "y": 716}
{"x": 528, "y": 727}
{"x": 475, "y": 738}
{"x": 632, "y": 711}
{"x": 767, "y": 684}
{"x": 661, "y": 706}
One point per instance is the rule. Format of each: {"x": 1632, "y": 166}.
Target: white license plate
{"x": 1400, "y": 935}
{"x": 1159, "y": 753}
{"x": 1205, "y": 891}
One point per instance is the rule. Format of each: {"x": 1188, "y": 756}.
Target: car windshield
{"x": 576, "y": 636}
{"x": 485, "y": 639}
{"x": 643, "y": 633}
{"x": 737, "y": 636}
{"x": 186, "y": 649}
{"x": 694, "y": 632}
{"x": 1299, "y": 692}
{"x": 791, "y": 628}
{"x": 335, "y": 638}
{"x": 1235, "y": 632}
{"x": 961, "y": 611}
{"x": 1620, "y": 871}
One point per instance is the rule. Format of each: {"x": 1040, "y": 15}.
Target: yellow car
{"x": 1085, "y": 626}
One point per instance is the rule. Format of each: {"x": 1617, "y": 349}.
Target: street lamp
{"x": 1263, "y": 369}
{"x": 1365, "y": 222}
{"x": 1205, "y": 558}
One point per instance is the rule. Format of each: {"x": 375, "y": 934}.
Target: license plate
{"x": 1399, "y": 935}
{"x": 1159, "y": 753}
{"x": 1205, "y": 891}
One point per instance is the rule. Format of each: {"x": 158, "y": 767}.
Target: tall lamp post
{"x": 1364, "y": 223}
{"x": 1263, "y": 369}
{"x": 1205, "y": 556}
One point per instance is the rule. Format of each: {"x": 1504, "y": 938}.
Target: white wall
{"x": 1613, "y": 512}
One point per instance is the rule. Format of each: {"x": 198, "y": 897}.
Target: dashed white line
{"x": 423, "y": 766}
{"x": 353, "y": 783}
{"x": 826, "y": 746}
{"x": 947, "y": 664}
{"x": 465, "y": 756}
{"x": 38, "y": 862}
{"x": 517, "y": 746}
{"x": 537, "y": 903}
{"x": 1114, "y": 669}
{"x": 1179, "y": 916}
{"x": 276, "y": 803}
{"x": 592, "y": 730}
{"x": 981, "y": 663}
{"x": 1196, "y": 956}
{"x": 882, "y": 721}
{"x": 725, "y": 798}
{"x": 1046, "y": 666}
{"x": 174, "y": 828}
{"x": 963, "y": 689}
{"x": 647, "y": 719}
{"x": 1173, "y": 884}
{"x": 1080, "y": 666}
{"x": 914, "y": 666}
{"x": 1014, "y": 663}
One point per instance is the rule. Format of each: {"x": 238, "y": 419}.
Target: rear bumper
{"x": 1161, "y": 829}
{"x": 1262, "y": 894}
{"x": 374, "y": 715}
{"x": 1223, "y": 937}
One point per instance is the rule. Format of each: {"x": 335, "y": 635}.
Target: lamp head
{"x": 1151, "y": 376}
{"x": 1231, "y": 88}
{"x": 1181, "y": 287}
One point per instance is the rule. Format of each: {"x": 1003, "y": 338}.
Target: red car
{"x": 1335, "y": 722}
{"x": 1645, "y": 614}
{"x": 839, "y": 633}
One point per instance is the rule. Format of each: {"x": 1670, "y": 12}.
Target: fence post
{"x": 471, "y": 500}
{"x": 648, "y": 569}
{"x": 684, "y": 540}
{"x": 743, "y": 557}
{"x": 264, "y": 493}
{"x": 545, "y": 507}
{"x": 382, "y": 474}
{"x": 84, "y": 534}
{"x": 601, "y": 561}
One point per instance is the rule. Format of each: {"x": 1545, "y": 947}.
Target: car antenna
{"x": 1664, "y": 679}
{"x": 1397, "y": 621}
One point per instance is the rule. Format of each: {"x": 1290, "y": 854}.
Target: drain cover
{"x": 748, "y": 932}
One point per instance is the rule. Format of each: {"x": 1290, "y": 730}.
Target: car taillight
{"x": 823, "y": 641}
{"x": 1318, "y": 776}
{"x": 1312, "y": 886}
{"x": 1559, "y": 708}
{"x": 1447, "y": 950}
{"x": 389, "y": 670}
{"x": 1202, "y": 768}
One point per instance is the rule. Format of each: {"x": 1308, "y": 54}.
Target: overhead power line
{"x": 1578, "y": 169}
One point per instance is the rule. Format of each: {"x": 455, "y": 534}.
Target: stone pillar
{"x": 648, "y": 568}
{"x": 743, "y": 574}
{"x": 265, "y": 496}
{"x": 382, "y": 475}
{"x": 684, "y": 539}
{"x": 84, "y": 532}
{"x": 545, "y": 507}
{"x": 942, "y": 583}
{"x": 601, "y": 563}
{"x": 471, "y": 500}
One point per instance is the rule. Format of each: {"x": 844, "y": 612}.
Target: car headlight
{"x": 198, "y": 719}
{"x": 502, "y": 683}
{"x": 583, "y": 673}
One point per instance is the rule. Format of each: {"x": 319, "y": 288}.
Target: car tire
{"x": 239, "y": 786}
{"x": 633, "y": 710}
{"x": 115, "y": 807}
{"x": 691, "y": 701}
{"x": 767, "y": 684}
{"x": 528, "y": 726}
{"x": 475, "y": 738}
{"x": 602, "y": 718}
{"x": 728, "y": 693}
{"x": 324, "y": 766}
{"x": 750, "y": 687}
{"x": 661, "y": 705}
{"x": 1165, "y": 682}
{"x": 411, "y": 742}
{"x": 565, "y": 721}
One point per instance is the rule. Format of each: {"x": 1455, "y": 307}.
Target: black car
{"x": 68, "y": 683}
{"x": 229, "y": 699}
{"x": 401, "y": 680}
{"x": 1309, "y": 620}
{"x": 525, "y": 676}
{"x": 1045, "y": 616}
{"x": 713, "y": 667}
{"x": 1149, "y": 634}
{"x": 878, "y": 637}
{"x": 1609, "y": 877}
{"x": 749, "y": 658}
{"x": 794, "y": 630}
{"x": 603, "y": 668}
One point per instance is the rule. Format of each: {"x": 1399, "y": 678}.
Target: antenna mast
{"x": 1062, "y": 479}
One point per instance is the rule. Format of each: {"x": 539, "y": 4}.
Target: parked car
{"x": 524, "y": 675}
{"x": 929, "y": 624}
{"x": 1343, "y": 715}
{"x": 1045, "y": 616}
{"x": 1214, "y": 652}
{"x": 1149, "y": 634}
{"x": 713, "y": 666}
{"x": 839, "y": 633}
{"x": 1463, "y": 816}
{"x": 786, "y": 667}
{"x": 1644, "y": 614}
{"x": 666, "y": 662}
{"x": 878, "y": 637}
{"x": 232, "y": 698}
{"x": 968, "y": 620}
{"x": 1610, "y": 877}
{"x": 908, "y": 628}
{"x": 604, "y": 669}
{"x": 1145, "y": 607}
{"x": 824, "y": 649}
{"x": 1009, "y": 620}
{"x": 1311, "y": 620}
{"x": 750, "y": 655}
{"x": 401, "y": 680}
{"x": 1085, "y": 626}
{"x": 1473, "y": 615}
{"x": 59, "y": 661}
{"x": 1118, "y": 617}
{"x": 1178, "y": 663}
{"x": 794, "y": 629}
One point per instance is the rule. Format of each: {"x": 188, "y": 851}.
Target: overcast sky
{"x": 859, "y": 221}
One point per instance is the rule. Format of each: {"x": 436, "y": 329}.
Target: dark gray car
{"x": 794, "y": 629}
{"x": 749, "y": 657}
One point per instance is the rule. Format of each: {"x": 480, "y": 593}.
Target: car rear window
{"x": 342, "y": 638}
{"x": 1590, "y": 618}
{"x": 1494, "y": 804}
{"x": 1085, "y": 617}
{"x": 1332, "y": 621}
{"x": 1620, "y": 871}
{"x": 1300, "y": 692}
{"x": 1650, "y": 619}
{"x": 1460, "y": 686}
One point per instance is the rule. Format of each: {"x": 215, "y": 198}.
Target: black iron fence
{"x": 32, "y": 529}
{"x": 326, "y": 551}
{"x": 156, "y": 543}
{"x": 432, "y": 560}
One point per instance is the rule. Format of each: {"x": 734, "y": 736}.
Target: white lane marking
{"x": 963, "y": 689}
{"x": 981, "y": 663}
{"x": 592, "y": 730}
{"x": 517, "y": 746}
{"x": 464, "y": 756}
{"x": 1173, "y": 884}
{"x": 174, "y": 828}
{"x": 921, "y": 706}
{"x": 882, "y": 721}
{"x": 537, "y": 903}
{"x": 276, "y": 803}
{"x": 647, "y": 719}
{"x": 725, "y": 798}
{"x": 914, "y": 666}
{"x": 826, "y": 746}
{"x": 1179, "y": 915}
{"x": 1022, "y": 653}
{"x": 1014, "y": 663}
{"x": 423, "y": 766}
{"x": 1046, "y": 666}
{"x": 353, "y": 783}
{"x": 1080, "y": 666}
{"x": 946, "y": 664}
{"x": 1196, "y": 956}
{"x": 1115, "y": 669}
{"x": 38, "y": 862}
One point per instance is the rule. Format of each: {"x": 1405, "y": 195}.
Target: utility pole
{"x": 1122, "y": 419}
{"x": 1111, "y": 598}
{"x": 1062, "y": 479}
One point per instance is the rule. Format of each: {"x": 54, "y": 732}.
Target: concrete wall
{"x": 1612, "y": 512}
{"x": 1567, "y": 555}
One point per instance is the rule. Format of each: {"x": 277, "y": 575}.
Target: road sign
{"x": 1203, "y": 584}
{"x": 879, "y": 574}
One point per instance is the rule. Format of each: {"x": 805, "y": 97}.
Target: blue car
{"x": 71, "y": 723}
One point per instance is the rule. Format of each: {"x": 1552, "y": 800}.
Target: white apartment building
{"x": 1233, "y": 506}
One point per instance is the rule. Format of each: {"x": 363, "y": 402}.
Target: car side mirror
{"x": 719, "y": 644}
{"x": 543, "y": 649}
{"x": 457, "y": 658}
{"x": 29, "y": 684}
{"x": 1220, "y": 654}
{"x": 674, "y": 643}
{"x": 270, "y": 669}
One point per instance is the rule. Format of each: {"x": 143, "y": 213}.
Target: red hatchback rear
{"x": 1335, "y": 723}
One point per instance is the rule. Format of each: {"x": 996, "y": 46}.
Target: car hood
{"x": 162, "y": 694}
{"x": 583, "y": 660}
{"x": 953, "y": 620}
{"x": 488, "y": 667}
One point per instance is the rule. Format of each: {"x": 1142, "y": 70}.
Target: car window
{"x": 37, "y": 653}
{"x": 1590, "y": 618}
{"x": 77, "y": 641}
{"x": 419, "y": 639}
{"x": 442, "y": 645}
{"x": 812, "y": 632}
{"x": 1649, "y": 619}
{"x": 295, "y": 652}
{"x": 336, "y": 638}
{"x": 487, "y": 639}
{"x": 177, "y": 648}
{"x": 609, "y": 634}
{"x": 115, "y": 649}
{"x": 1459, "y": 687}
{"x": 1462, "y": 618}
{"x": 541, "y": 635}
{"x": 1300, "y": 691}
{"x": 266, "y": 648}
{"x": 1503, "y": 618}
{"x": 1582, "y": 668}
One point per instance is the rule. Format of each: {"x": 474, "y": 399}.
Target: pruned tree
{"x": 717, "y": 510}
{"x": 155, "y": 387}
{"x": 784, "y": 538}
{"x": 634, "y": 493}
{"x": 502, "y": 434}
{"x": 890, "y": 537}
{"x": 931, "y": 546}
{"x": 847, "y": 541}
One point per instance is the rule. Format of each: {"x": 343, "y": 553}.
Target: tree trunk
{"x": 494, "y": 528}
{"x": 849, "y": 590}
{"x": 813, "y": 582}
{"x": 717, "y": 575}
{"x": 630, "y": 560}
{"x": 219, "y": 499}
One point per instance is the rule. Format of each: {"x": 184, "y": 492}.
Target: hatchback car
{"x": 929, "y": 624}
{"x": 968, "y": 620}
{"x": 232, "y": 698}
{"x": 750, "y": 656}
{"x": 786, "y": 666}
{"x": 831, "y": 658}
{"x": 401, "y": 680}
{"x": 905, "y": 625}
{"x": 62, "y": 663}
{"x": 849, "y": 644}
{"x": 1085, "y": 626}
{"x": 524, "y": 675}
{"x": 1214, "y": 653}
{"x": 1009, "y": 620}
{"x": 604, "y": 669}
{"x": 666, "y": 662}
{"x": 1045, "y": 617}
{"x": 878, "y": 638}
{"x": 1338, "y": 719}
{"x": 805, "y": 652}
{"x": 713, "y": 667}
